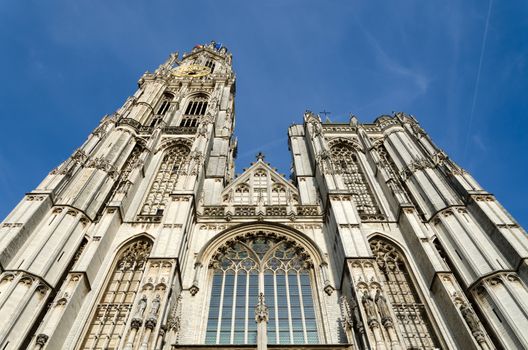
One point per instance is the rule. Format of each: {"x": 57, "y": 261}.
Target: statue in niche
{"x": 470, "y": 317}
{"x": 155, "y": 306}
{"x": 142, "y": 305}
{"x": 368, "y": 304}
{"x": 383, "y": 308}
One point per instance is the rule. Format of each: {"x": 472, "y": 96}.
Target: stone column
{"x": 151, "y": 322}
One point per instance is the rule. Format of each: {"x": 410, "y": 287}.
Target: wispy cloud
{"x": 477, "y": 80}
{"x": 391, "y": 65}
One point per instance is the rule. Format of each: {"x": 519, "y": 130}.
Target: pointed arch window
{"x": 345, "y": 162}
{"x": 165, "y": 181}
{"x": 210, "y": 64}
{"x": 411, "y": 314}
{"x": 241, "y": 195}
{"x": 114, "y": 307}
{"x": 195, "y": 108}
{"x": 278, "y": 195}
{"x": 163, "y": 107}
{"x": 257, "y": 263}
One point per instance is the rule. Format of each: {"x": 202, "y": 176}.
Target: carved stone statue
{"x": 142, "y": 304}
{"x": 383, "y": 308}
{"x": 155, "y": 306}
{"x": 470, "y": 317}
{"x": 368, "y": 304}
{"x": 261, "y": 311}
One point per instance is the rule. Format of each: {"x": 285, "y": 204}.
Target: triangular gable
{"x": 260, "y": 183}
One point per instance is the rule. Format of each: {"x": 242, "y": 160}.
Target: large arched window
{"x": 345, "y": 162}
{"x": 195, "y": 108}
{"x": 113, "y": 309}
{"x": 261, "y": 263}
{"x": 412, "y": 317}
{"x": 163, "y": 107}
{"x": 165, "y": 181}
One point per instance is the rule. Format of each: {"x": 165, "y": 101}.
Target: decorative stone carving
{"x": 346, "y": 313}
{"x": 474, "y": 324}
{"x": 370, "y": 308}
{"x": 261, "y": 310}
{"x": 416, "y": 165}
{"x": 140, "y": 309}
{"x": 42, "y": 339}
{"x": 383, "y": 308}
{"x": 194, "y": 289}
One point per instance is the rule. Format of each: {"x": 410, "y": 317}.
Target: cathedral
{"x": 145, "y": 238}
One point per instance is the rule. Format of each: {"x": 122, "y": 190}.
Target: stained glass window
{"x": 269, "y": 264}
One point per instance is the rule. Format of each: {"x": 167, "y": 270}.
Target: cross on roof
{"x": 325, "y": 112}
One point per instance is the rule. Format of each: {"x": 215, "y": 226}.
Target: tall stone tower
{"x": 145, "y": 239}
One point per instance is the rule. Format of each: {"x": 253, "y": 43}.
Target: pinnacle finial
{"x": 260, "y": 156}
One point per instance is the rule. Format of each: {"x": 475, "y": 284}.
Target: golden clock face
{"x": 193, "y": 70}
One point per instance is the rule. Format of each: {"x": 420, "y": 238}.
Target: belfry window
{"x": 211, "y": 65}
{"x": 163, "y": 107}
{"x": 165, "y": 181}
{"x": 195, "y": 108}
{"x": 113, "y": 309}
{"x": 345, "y": 162}
{"x": 411, "y": 315}
{"x": 260, "y": 263}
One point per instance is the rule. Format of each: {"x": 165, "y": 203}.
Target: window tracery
{"x": 278, "y": 195}
{"x": 260, "y": 262}
{"x": 241, "y": 195}
{"x": 195, "y": 108}
{"x": 345, "y": 162}
{"x": 163, "y": 107}
{"x": 412, "y": 317}
{"x": 260, "y": 184}
{"x": 132, "y": 162}
{"x": 165, "y": 181}
{"x": 210, "y": 64}
{"x": 108, "y": 323}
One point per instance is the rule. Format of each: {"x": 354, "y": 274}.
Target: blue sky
{"x": 460, "y": 67}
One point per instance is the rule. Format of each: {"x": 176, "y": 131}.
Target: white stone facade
{"x": 118, "y": 246}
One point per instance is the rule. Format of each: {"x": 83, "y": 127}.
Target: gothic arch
{"x": 281, "y": 264}
{"x": 174, "y": 143}
{"x": 354, "y": 144}
{"x": 230, "y": 233}
{"x": 199, "y": 94}
{"x": 113, "y": 303}
{"x": 400, "y": 284}
{"x": 347, "y": 162}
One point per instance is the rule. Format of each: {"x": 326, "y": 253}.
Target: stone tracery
{"x": 115, "y": 304}
{"x": 285, "y": 271}
{"x": 346, "y": 163}
{"x": 172, "y": 165}
{"x": 411, "y": 315}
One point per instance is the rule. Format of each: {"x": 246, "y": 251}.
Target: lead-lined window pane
{"x": 286, "y": 286}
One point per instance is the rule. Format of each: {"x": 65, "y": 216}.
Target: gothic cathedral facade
{"x": 145, "y": 238}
